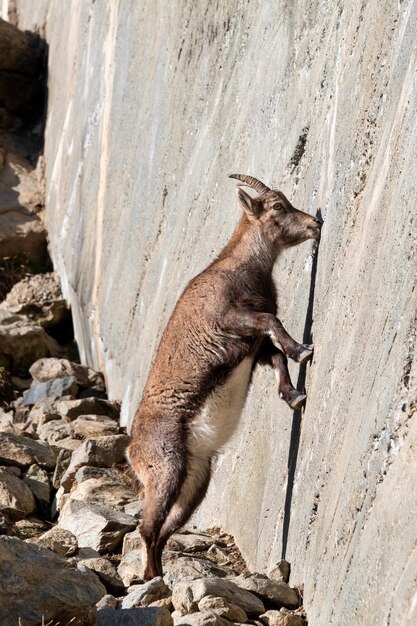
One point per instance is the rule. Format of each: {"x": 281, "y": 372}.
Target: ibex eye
{"x": 277, "y": 206}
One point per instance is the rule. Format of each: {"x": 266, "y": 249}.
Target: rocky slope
{"x": 151, "y": 105}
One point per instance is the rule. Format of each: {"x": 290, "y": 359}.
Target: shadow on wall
{"x": 297, "y": 414}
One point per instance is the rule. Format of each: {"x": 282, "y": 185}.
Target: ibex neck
{"x": 248, "y": 245}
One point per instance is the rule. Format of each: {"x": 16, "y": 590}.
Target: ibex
{"x": 223, "y": 324}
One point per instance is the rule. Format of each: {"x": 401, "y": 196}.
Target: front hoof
{"x": 306, "y": 354}
{"x": 295, "y": 399}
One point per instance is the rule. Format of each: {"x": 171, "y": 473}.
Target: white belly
{"x": 218, "y": 418}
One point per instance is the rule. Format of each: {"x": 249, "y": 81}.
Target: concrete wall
{"x": 151, "y": 105}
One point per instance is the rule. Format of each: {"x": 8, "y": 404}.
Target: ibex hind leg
{"x": 192, "y": 492}
{"x": 162, "y": 486}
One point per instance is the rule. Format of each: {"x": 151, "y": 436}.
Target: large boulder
{"x": 99, "y": 527}
{"x": 187, "y": 594}
{"x": 22, "y": 342}
{"x": 37, "y": 585}
{"x": 103, "y": 486}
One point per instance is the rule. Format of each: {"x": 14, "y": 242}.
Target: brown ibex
{"x": 223, "y": 324}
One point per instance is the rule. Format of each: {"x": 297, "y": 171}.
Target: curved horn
{"x": 249, "y": 181}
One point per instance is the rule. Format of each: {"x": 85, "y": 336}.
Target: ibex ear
{"x": 249, "y": 205}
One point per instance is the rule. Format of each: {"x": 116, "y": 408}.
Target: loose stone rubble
{"x": 70, "y": 548}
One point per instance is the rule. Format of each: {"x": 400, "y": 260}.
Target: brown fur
{"x": 225, "y": 314}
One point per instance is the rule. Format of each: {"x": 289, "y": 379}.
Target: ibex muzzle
{"x": 222, "y": 326}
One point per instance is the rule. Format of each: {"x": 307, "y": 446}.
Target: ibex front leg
{"x": 275, "y": 358}
{"x": 251, "y": 323}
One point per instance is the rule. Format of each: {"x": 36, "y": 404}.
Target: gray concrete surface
{"x": 151, "y": 105}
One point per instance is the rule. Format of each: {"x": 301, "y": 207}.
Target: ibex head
{"x": 283, "y": 225}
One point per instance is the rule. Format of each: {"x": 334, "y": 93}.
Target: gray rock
{"x": 67, "y": 443}
{"x": 62, "y": 461}
{"x": 22, "y": 341}
{"x": 279, "y": 593}
{"x": 45, "y": 370}
{"x": 190, "y": 542}
{"x": 205, "y": 618}
{"x": 222, "y": 607}
{"x": 16, "y": 499}
{"x": 148, "y": 616}
{"x": 103, "y": 486}
{"x": 59, "y": 540}
{"x": 105, "y": 571}
{"x": 98, "y": 527}
{"x": 146, "y": 593}
{"x": 38, "y": 297}
{"x": 37, "y": 584}
{"x": 98, "y": 452}
{"x": 187, "y": 594}
{"x": 277, "y": 618}
{"x": 52, "y": 389}
{"x": 94, "y": 426}
{"x": 191, "y": 568}
{"x": 281, "y": 571}
{"x": 131, "y": 567}
{"x": 23, "y": 452}
{"x": 132, "y": 541}
{"x": 107, "y": 602}
{"x": 38, "y": 482}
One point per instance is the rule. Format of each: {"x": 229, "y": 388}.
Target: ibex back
{"x": 223, "y": 324}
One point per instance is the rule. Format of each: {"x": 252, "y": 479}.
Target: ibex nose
{"x": 318, "y": 221}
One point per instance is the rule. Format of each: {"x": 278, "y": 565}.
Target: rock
{"x": 29, "y": 528}
{"x": 38, "y": 297}
{"x": 38, "y": 482}
{"x": 107, "y": 602}
{"x": 54, "y": 431}
{"x": 6, "y": 422}
{"x": 205, "y": 618}
{"x": 98, "y": 527}
{"x": 281, "y": 571}
{"x": 187, "y": 594}
{"x": 62, "y": 462}
{"x": 16, "y": 499}
{"x": 23, "y": 452}
{"x": 190, "y": 542}
{"x": 146, "y": 593}
{"x": 222, "y": 607}
{"x": 135, "y": 508}
{"x": 97, "y": 452}
{"x": 22, "y": 233}
{"x": 94, "y": 426}
{"x": 67, "y": 443}
{"x": 23, "y": 342}
{"x": 103, "y": 486}
{"x": 106, "y": 572}
{"x": 276, "y": 618}
{"x": 45, "y": 370}
{"x": 148, "y": 616}
{"x": 13, "y": 470}
{"x": 42, "y": 412}
{"x": 59, "y": 540}
{"x": 191, "y": 568}
{"x": 52, "y": 389}
{"x": 131, "y": 567}
{"x": 279, "y": 593}
{"x": 37, "y": 585}
{"x": 88, "y": 406}
{"x": 132, "y": 541}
